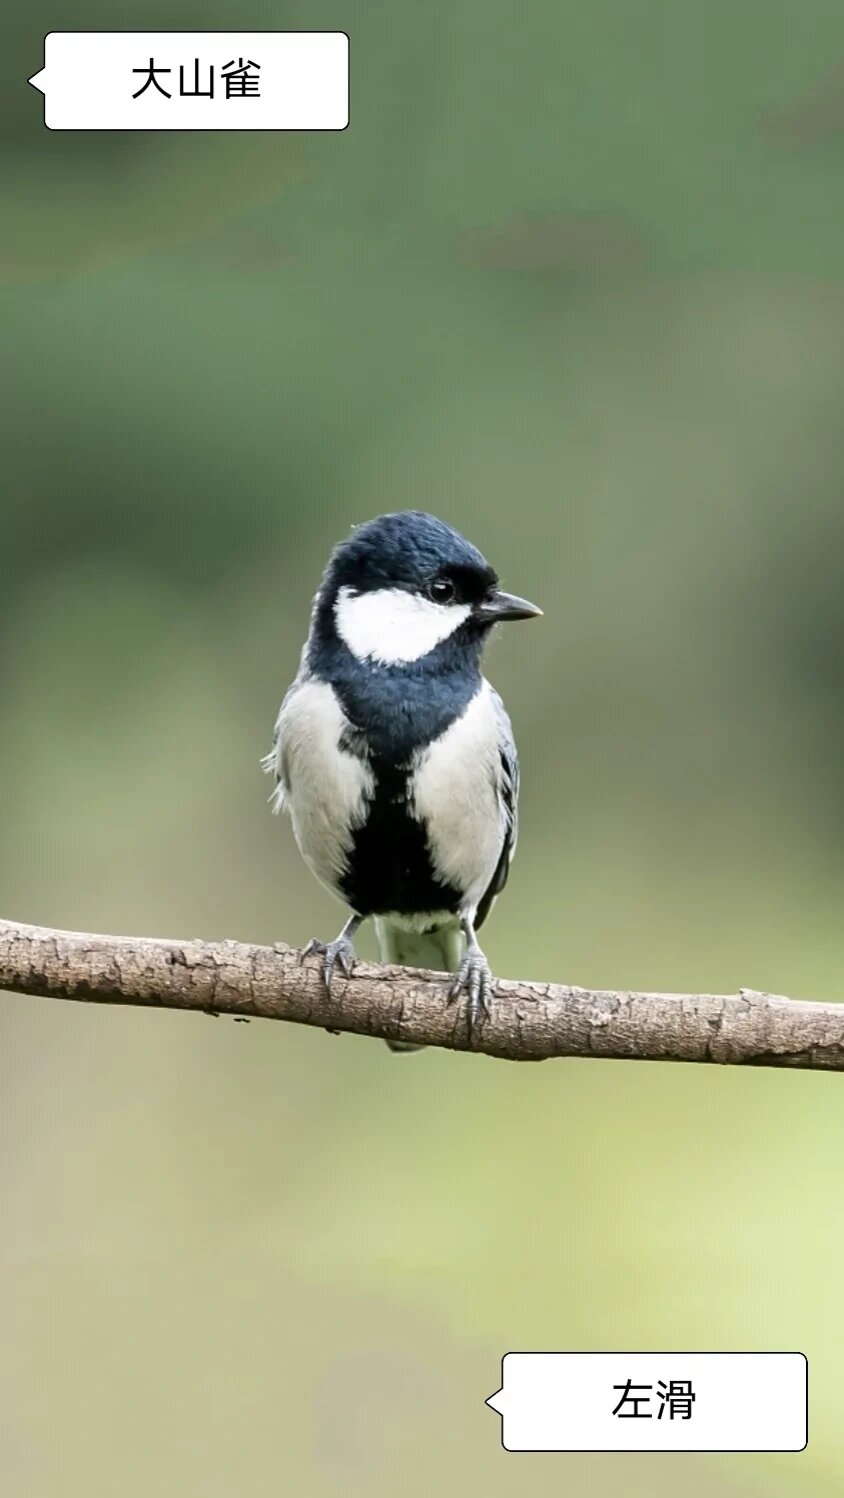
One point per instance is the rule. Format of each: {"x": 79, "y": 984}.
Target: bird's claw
{"x": 473, "y": 978}
{"x": 340, "y": 953}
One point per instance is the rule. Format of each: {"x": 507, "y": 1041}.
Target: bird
{"x": 395, "y": 757}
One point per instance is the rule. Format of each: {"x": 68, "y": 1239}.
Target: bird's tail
{"x": 440, "y": 948}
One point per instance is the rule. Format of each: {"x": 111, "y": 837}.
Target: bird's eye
{"x": 440, "y": 590}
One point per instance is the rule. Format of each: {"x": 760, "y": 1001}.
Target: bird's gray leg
{"x": 339, "y": 951}
{"x": 473, "y": 977}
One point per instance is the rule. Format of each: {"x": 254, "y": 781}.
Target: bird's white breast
{"x": 456, "y": 793}
{"x": 324, "y": 787}
{"x": 390, "y": 626}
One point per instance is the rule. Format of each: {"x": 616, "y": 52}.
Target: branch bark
{"x": 529, "y": 1021}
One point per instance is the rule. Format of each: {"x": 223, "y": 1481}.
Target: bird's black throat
{"x": 394, "y": 711}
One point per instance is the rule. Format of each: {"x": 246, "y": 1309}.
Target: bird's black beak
{"x": 500, "y": 606}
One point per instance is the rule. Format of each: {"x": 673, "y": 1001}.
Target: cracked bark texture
{"x": 529, "y": 1021}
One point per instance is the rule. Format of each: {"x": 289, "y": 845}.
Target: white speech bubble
{"x": 567, "y": 1401}
{"x": 195, "y": 80}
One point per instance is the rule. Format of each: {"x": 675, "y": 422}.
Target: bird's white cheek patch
{"x": 391, "y": 626}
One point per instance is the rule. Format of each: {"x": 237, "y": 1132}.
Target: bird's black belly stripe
{"x": 389, "y": 866}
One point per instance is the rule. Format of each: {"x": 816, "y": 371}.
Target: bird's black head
{"x": 404, "y": 585}
{"x": 409, "y": 550}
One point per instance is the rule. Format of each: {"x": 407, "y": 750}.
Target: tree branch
{"x": 529, "y": 1021}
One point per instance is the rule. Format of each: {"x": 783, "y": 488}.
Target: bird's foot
{"x": 340, "y": 953}
{"x": 473, "y": 978}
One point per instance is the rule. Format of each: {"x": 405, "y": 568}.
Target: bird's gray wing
{"x": 507, "y": 789}
{"x": 274, "y": 763}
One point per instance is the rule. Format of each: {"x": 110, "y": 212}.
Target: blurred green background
{"x": 572, "y": 279}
